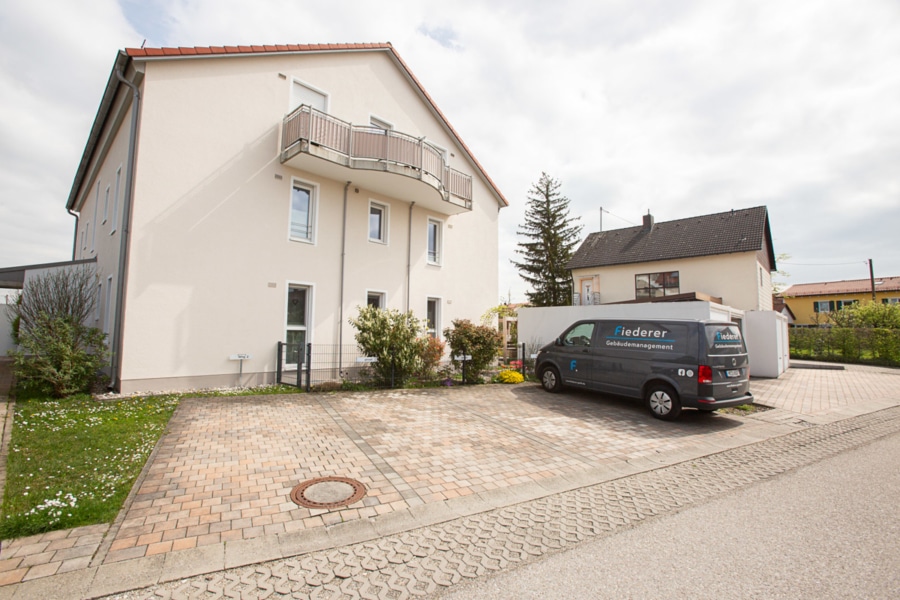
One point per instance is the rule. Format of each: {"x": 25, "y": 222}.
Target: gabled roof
{"x": 848, "y": 286}
{"x": 745, "y": 230}
{"x": 124, "y": 57}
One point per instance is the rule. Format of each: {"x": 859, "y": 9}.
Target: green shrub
{"x": 480, "y": 342}
{"x": 393, "y": 338}
{"x": 432, "y": 352}
{"x": 59, "y": 357}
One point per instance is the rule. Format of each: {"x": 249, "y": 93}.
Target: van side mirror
{"x": 558, "y": 341}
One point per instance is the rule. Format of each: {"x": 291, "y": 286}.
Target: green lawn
{"x": 72, "y": 462}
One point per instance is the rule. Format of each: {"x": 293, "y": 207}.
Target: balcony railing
{"x": 361, "y": 147}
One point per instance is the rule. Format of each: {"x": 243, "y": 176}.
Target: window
{"x": 378, "y": 216}
{"x": 656, "y": 285}
{"x": 580, "y": 335}
{"x": 433, "y": 317}
{"x": 823, "y": 306}
{"x": 846, "y": 303}
{"x": 107, "y": 303}
{"x": 296, "y": 323}
{"x": 376, "y": 299}
{"x": 115, "y": 215}
{"x": 99, "y": 302}
{"x": 434, "y": 241}
{"x": 96, "y": 208}
{"x": 302, "y": 93}
{"x": 303, "y": 212}
{"x": 106, "y": 206}
{"x": 890, "y": 300}
{"x": 380, "y": 124}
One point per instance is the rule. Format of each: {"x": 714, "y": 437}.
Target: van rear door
{"x": 726, "y": 355}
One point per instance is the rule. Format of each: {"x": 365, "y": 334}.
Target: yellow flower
{"x": 510, "y": 377}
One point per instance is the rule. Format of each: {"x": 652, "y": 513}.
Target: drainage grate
{"x": 328, "y": 492}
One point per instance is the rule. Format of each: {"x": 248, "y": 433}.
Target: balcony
{"x": 319, "y": 143}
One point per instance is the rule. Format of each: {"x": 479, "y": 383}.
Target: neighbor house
{"x": 726, "y": 258}
{"x": 237, "y": 197}
{"x": 812, "y": 302}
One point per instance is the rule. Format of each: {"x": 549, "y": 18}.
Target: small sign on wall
{"x": 240, "y": 357}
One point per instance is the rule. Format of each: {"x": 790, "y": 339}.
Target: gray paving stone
{"x": 126, "y": 575}
{"x": 195, "y": 561}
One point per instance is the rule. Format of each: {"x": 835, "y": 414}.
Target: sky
{"x": 676, "y": 107}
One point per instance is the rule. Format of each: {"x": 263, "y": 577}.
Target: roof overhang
{"x": 14, "y": 277}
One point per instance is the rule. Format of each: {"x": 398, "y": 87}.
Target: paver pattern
{"x": 421, "y": 562}
{"x": 223, "y": 473}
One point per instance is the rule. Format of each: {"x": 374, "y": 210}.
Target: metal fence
{"x": 326, "y": 366}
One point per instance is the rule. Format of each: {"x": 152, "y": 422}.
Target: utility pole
{"x": 601, "y": 218}
{"x": 872, "y": 279}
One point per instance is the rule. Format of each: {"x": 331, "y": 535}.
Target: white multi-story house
{"x": 237, "y": 197}
{"x": 725, "y": 257}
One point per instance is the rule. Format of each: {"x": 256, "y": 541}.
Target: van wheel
{"x": 550, "y": 379}
{"x": 663, "y": 402}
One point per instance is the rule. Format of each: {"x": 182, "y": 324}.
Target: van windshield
{"x": 724, "y": 339}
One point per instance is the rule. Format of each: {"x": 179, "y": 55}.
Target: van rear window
{"x": 724, "y": 339}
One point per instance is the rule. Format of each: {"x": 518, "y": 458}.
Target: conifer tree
{"x": 551, "y": 235}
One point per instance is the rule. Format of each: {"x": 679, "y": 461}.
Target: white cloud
{"x": 679, "y": 108}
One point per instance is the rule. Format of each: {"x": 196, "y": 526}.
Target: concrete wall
{"x": 6, "y": 342}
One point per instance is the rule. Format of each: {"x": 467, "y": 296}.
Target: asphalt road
{"x": 827, "y": 530}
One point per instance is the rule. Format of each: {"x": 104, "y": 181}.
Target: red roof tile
{"x": 207, "y": 50}
{"x": 849, "y": 286}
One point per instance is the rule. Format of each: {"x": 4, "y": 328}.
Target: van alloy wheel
{"x": 663, "y": 402}
{"x": 550, "y": 379}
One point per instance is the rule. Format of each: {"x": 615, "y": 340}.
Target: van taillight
{"x": 704, "y": 374}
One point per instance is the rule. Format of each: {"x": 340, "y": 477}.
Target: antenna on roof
{"x": 144, "y": 42}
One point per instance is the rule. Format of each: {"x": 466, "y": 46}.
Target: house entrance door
{"x": 587, "y": 288}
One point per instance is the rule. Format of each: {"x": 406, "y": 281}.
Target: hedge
{"x": 876, "y": 346}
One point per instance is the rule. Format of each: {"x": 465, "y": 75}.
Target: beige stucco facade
{"x": 210, "y": 253}
{"x": 740, "y": 280}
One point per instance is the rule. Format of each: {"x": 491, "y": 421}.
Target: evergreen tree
{"x": 551, "y": 238}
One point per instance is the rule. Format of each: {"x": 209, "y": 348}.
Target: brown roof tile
{"x": 745, "y": 230}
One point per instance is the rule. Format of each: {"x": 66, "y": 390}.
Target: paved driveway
{"x": 216, "y": 492}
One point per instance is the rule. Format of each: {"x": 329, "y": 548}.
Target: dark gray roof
{"x": 745, "y": 230}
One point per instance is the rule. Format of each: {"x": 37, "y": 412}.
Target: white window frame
{"x": 96, "y": 208}
{"x": 99, "y": 301}
{"x": 439, "y": 242}
{"x": 434, "y": 329}
{"x": 115, "y": 215}
{"x": 385, "y": 219}
{"x": 107, "y": 304}
{"x": 313, "y": 190}
{"x": 382, "y": 295}
{"x": 310, "y": 295}
{"x": 106, "y": 206}
{"x": 293, "y": 102}
{"x": 380, "y": 123}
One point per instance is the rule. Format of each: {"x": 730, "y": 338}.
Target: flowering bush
{"x": 510, "y": 377}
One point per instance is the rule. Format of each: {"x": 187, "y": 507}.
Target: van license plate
{"x": 733, "y": 373}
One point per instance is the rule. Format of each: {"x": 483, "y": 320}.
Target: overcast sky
{"x": 681, "y": 108}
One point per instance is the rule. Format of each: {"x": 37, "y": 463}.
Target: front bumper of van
{"x": 709, "y": 403}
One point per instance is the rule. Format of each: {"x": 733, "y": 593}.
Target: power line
{"x": 856, "y": 262}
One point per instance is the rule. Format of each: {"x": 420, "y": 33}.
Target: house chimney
{"x": 648, "y": 222}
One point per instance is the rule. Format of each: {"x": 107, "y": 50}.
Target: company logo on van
{"x": 724, "y": 336}
{"x": 641, "y": 338}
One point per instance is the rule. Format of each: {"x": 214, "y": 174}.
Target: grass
{"x": 72, "y": 462}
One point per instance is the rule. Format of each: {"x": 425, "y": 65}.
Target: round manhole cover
{"x": 328, "y": 492}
